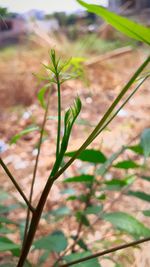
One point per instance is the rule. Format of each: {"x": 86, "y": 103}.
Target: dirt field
{"x": 19, "y": 108}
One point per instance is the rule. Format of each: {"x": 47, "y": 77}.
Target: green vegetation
{"x": 93, "y": 198}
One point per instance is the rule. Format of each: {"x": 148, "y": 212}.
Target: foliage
{"x": 128, "y": 27}
{"x": 3, "y": 11}
{"x": 91, "y": 192}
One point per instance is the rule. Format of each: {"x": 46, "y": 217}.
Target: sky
{"x": 49, "y": 6}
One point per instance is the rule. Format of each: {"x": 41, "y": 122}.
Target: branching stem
{"x": 16, "y": 185}
{"x": 108, "y": 251}
{"x": 36, "y": 165}
{"x": 37, "y": 214}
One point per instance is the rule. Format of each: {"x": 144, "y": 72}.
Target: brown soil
{"x": 19, "y": 108}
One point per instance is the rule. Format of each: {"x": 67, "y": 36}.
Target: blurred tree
{"x": 3, "y": 12}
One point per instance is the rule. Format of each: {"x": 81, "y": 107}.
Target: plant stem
{"x": 108, "y": 251}
{"x": 36, "y": 216}
{"x": 35, "y": 167}
{"x": 59, "y": 117}
{"x": 34, "y": 222}
{"x": 124, "y": 103}
{"x": 16, "y": 185}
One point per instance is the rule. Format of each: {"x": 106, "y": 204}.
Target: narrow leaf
{"x": 89, "y": 155}
{"x": 7, "y": 245}
{"x": 145, "y": 142}
{"x": 140, "y": 195}
{"x": 61, "y": 211}
{"x": 127, "y": 223}
{"x": 82, "y": 244}
{"x": 146, "y": 213}
{"x": 146, "y": 178}
{"x": 93, "y": 209}
{"x": 126, "y": 26}
{"x": 6, "y": 221}
{"x": 127, "y": 164}
{"x": 107, "y": 164}
{"x": 85, "y": 178}
{"x": 28, "y": 130}
{"x": 41, "y": 95}
{"x": 82, "y": 218}
{"x": 137, "y": 149}
{"x": 117, "y": 184}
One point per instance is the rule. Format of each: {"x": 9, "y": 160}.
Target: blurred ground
{"x": 19, "y": 108}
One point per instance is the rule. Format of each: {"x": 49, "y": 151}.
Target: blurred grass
{"x": 91, "y": 44}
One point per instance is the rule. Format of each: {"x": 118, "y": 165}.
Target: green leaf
{"x": 28, "y": 130}
{"x": 126, "y": 26}
{"x": 137, "y": 149}
{"x": 118, "y": 265}
{"x": 127, "y": 223}
{"x": 82, "y": 218}
{"x": 8, "y": 209}
{"x": 93, "y": 209}
{"x": 85, "y": 178}
{"x": 6, "y": 221}
{"x": 146, "y": 178}
{"x": 43, "y": 258}
{"x": 89, "y": 155}
{"x": 146, "y": 213}
{"x": 76, "y": 256}
{"x": 41, "y": 95}
{"x": 140, "y": 195}
{"x": 62, "y": 211}
{"x": 71, "y": 198}
{"x": 101, "y": 196}
{"x": 7, "y": 245}
{"x": 107, "y": 164}
{"x": 145, "y": 142}
{"x": 71, "y": 114}
{"x": 55, "y": 242}
{"x": 126, "y": 164}
{"x": 117, "y": 184}
{"x": 70, "y": 117}
{"x": 82, "y": 244}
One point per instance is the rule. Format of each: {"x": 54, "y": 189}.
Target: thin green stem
{"x": 16, "y": 185}
{"x": 124, "y": 103}
{"x": 36, "y": 165}
{"x": 108, "y": 251}
{"x": 59, "y": 117}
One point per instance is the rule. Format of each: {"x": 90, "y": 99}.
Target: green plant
{"x": 94, "y": 187}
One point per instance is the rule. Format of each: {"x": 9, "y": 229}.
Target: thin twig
{"x": 35, "y": 167}
{"x": 16, "y": 185}
{"x": 59, "y": 117}
{"x": 107, "y": 251}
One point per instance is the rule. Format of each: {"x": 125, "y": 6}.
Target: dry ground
{"x": 19, "y": 108}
